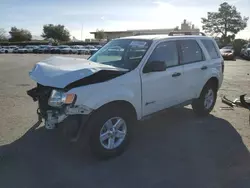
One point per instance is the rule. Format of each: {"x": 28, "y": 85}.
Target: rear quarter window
{"x": 211, "y": 48}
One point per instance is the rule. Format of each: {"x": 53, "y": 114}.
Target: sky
{"x": 83, "y": 16}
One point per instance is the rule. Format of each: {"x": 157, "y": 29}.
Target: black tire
{"x": 96, "y": 123}
{"x": 198, "y": 105}
{"x": 6, "y": 51}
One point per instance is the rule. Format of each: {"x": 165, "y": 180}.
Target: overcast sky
{"x": 109, "y": 14}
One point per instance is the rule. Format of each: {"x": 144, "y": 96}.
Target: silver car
{"x": 83, "y": 51}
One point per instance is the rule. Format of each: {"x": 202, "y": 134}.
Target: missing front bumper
{"x": 54, "y": 117}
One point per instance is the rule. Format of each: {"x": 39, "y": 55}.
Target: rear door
{"x": 194, "y": 66}
{"x": 161, "y": 90}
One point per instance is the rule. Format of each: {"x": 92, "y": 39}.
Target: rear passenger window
{"x": 211, "y": 49}
{"x": 190, "y": 52}
{"x": 166, "y": 52}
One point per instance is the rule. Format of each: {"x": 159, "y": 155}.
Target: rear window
{"x": 211, "y": 49}
{"x": 190, "y": 52}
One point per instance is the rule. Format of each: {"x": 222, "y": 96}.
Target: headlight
{"x": 58, "y": 98}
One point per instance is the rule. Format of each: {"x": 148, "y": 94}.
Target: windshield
{"x": 122, "y": 53}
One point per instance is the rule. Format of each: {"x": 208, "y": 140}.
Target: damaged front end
{"x": 56, "y": 77}
{"x": 55, "y": 105}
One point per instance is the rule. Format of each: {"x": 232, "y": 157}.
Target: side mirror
{"x": 155, "y": 66}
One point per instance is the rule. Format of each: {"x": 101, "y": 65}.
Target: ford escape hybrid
{"x": 126, "y": 80}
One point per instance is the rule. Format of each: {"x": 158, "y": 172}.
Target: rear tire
{"x": 205, "y": 103}
{"x": 119, "y": 135}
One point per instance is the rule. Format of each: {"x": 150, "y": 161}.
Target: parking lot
{"x": 173, "y": 149}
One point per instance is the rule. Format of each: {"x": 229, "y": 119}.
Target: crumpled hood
{"x": 58, "y": 72}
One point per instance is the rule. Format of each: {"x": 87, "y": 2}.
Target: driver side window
{"x": 165, "y": 52}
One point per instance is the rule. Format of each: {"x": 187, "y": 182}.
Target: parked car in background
{"x": 68, "y": 50}
{"x": 91, "y": 49}
{"x": 83, "y": 51}
{"x": 57, "y": 49}
{"x": 75, "y": 48}
{"x": 245, "y": 51}
{"x": 44, "y": 49}
{"x": 71, "y": 49}
{"x": 35, "y": 50}
{"x": 2, "y": 50}
{"x": 15, "y": 50}
{"x": 9, "y": 49}
{"x": 227, "y": 52}
{"x": 30, "y": 48}
{"x": 47, "y": 49}
{"x": 22, "y": 50}
{"x": 98, "y": 46}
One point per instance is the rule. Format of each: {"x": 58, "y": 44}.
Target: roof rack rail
{"x": 172, "y": 33}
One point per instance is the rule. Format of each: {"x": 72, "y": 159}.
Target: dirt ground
{"x": 173, "y": 149}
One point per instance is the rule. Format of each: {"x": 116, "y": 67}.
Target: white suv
{"x": 105, "y": 94}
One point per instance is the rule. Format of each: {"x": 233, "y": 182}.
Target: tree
{"x": 19, "y": 35}
{"x": 99, "y": 34}
{"x": 227, "y": 22}
{"x": 2, "y": 35}
{"x": 176, "y": 28}
{"x": 56, "y": 32}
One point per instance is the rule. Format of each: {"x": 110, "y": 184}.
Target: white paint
{"x": 159, "y": 89}
{"x": 126, "y": 88}
{"x": 60, "y": 71}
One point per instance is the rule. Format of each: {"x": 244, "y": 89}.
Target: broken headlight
{"x": 58, "y": 98}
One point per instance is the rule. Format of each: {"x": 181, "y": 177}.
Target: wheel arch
{"x": 122, "y": 104}
{"x": 212, "y": 80}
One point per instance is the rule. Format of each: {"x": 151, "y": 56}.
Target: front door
{"x": 162, "y": 89}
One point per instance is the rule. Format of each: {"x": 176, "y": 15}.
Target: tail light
{"x": 222, "y": 66}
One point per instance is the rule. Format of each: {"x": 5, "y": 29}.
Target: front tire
{"x": 205, "y": 103}
{"x": 110, "y": 132}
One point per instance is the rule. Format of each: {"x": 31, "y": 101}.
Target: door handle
{"x": 204, "y": 68}
{"x": 176, "y": 74}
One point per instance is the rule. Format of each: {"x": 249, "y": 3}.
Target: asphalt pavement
{"x": 173, "y": 149}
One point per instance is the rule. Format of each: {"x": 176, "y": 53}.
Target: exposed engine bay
{"x": 53, "y": 115}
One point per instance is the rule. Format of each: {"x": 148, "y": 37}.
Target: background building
{"x": 185, "y": 27}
